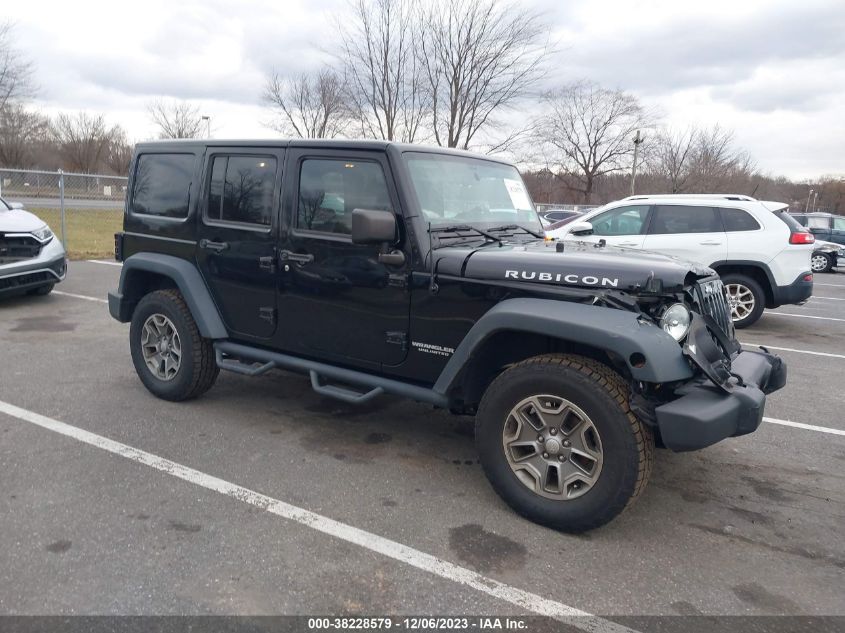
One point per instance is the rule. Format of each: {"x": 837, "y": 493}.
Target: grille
{"x": 11, "y": 283}
{"x": 713, "y": 301}
{"x": 18, "y": 246}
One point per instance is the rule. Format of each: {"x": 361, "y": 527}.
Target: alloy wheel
{"x": 161, "y": 347}
{"x": 552, "y": 447}
{"x": 818, "y": 263}
{"x": 741, "y": 301}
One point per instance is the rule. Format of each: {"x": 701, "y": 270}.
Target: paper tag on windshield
{"x": 518, "y": 194}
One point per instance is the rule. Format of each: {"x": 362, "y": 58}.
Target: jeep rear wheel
{"x": 170, "y": 356}
{"x": 559, "y": 443}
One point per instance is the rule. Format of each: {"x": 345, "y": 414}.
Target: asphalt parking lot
{"x": 753, "y": 525}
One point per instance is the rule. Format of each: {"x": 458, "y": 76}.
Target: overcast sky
{"x": 773, "y": 71}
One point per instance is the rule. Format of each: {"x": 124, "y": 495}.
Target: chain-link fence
{"x": 84, "y": 209}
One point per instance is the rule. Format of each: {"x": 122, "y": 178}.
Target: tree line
{"x": 464, "y": 74}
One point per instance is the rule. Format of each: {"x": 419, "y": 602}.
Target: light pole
{"x": 207, "y": 120}
{"x": 815, "y": 199}
{"x": 807, "y": 206}
{"x": 638, "y": 139}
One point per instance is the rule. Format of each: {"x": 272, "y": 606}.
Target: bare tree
{"x": 22, "y": 132}
{"x": 118, "y": 152}
{"x": 83, "y": 140}
{"x": 15, "y": 71}
{"x": 176, "y": 119}
{"x": 307, "y": 106}
{"x": 478, "y": 58}
{"x": 673, "y": 154}
{"x": 589, "y": 130}
{"x": 718, "y": 163}
{"x": 382, "y": 68}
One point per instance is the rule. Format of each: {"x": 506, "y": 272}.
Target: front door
{"x": 236, "y": 251}
{"x": 337, "y": 300}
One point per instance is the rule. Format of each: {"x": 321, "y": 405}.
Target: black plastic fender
{"x": 186, "y": 277}
{"x": 623, "y": 333}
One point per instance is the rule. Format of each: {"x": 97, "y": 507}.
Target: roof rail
{"x": 689, "y": 196}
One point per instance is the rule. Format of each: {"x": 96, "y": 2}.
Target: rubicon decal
{"x": 578, "y": 280}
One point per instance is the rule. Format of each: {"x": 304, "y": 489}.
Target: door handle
{"x": 297, "y": 258}
{"x": 710, "y": 243}
{"x": 217, "y": 247}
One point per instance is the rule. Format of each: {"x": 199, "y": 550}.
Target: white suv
{"x": 760, "y": 251}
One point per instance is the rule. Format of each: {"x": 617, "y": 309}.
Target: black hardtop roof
{"x": 371, "y": 145}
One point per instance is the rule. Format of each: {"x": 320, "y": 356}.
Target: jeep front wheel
{"x": 559, "y": 443}
{"x": 170, "y": 356}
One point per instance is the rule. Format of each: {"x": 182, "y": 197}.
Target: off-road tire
{"x": 198, "y": 369}
{"x": 42, "y": 290}
{"x": 628, "y": 444}
{"x": 759, "y": 298}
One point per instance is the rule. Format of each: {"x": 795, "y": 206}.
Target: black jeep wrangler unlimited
{"x": 379, "y": 268}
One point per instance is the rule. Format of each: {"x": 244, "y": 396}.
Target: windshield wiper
{"x": 511, "y": 227}
{"x": 464, "y": 227}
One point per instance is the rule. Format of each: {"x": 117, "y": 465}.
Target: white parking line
{"x": 802, "y": 316}
{"x": 816, "y": 283}
{"x": 790, "y": 349}
{"x": 86, "y": 297}
{"x": 807, "y": 427}
{"x": 100, "y": 261}
{"x": 373, "y": 542}
{"x": 828, "y": 298}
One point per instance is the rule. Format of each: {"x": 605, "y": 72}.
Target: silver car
{"x": 32, "y": 259}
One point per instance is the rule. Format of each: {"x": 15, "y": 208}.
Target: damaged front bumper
{"x": 727, "y": 400}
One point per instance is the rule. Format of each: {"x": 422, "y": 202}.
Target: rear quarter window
{"x": 162, "y": 185}
{"x": 738, "y": 220}
{"x": 790, "y": 221}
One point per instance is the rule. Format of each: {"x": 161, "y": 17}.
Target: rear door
{"x": 690, "y": 232}
{"x": 747, "y": 240}
{"x": 622, "y": 226}
{"x": 236, "y": 252}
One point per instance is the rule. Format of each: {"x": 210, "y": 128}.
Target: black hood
{"x": 580, "y": 264}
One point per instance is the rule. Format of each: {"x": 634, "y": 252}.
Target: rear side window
{"x": 738, "y": 220}
{"x": 162, "y": 185}
{"x": 671, "y": 219}
{"x": 241, "y": 189}
{"x": 839, "y": 224}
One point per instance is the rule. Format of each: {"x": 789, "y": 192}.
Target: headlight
{"x": 676, "y": 321}
{"x": 43, "y": 235}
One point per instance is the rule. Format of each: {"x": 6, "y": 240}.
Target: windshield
{"x": 455, "y": 190}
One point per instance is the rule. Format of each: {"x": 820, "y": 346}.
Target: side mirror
{"x": 16, "y": 205}
{"x": 581, "y": 228}
{"x": 373, "y": 227}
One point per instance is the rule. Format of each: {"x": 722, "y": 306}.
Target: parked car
{"x": 761, "y": 252}
{"x": 827, "y": 255}
{"x": 825, "y": 226}
{"x": 433, "y": 283}
{"x": 32, "y": 260}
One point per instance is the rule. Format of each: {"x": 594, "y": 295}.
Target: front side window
{"x": 162, "y": 185}
{"x": 672, "y": 219}
{"x": 839, "y": 224}
{"x": 330, "y": 189}
{"x": 454, "y": 190}
{"x": 620, "y": 221}
{"x": 241, "y": 189}
{"x": 738, "y": 220}
{"x": 816, "y": 222}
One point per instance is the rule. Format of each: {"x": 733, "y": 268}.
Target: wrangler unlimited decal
{"x": 587, "y": 280}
